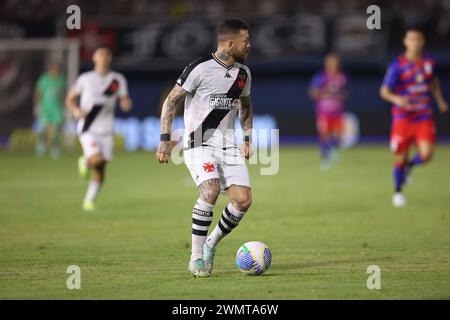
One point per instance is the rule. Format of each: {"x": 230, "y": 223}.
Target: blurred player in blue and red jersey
{"x": 329, "y": 89}
{"x": 409, "y": 83}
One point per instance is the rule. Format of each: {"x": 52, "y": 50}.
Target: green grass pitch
{"x": 324, "y": 230}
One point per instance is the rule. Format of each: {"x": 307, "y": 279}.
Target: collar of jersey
{"x": 221, "y": 63}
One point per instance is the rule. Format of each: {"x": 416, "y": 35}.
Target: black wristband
{"x": 247, "y": 138}
{"x": 165, "y": 137}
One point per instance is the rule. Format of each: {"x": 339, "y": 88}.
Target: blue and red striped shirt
{"x": 332, "y": 90}
{"x": 411, "y": 79}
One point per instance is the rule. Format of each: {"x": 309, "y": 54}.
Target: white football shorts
{"x": 227, "y": 165}
{"x": 93, "y": 144}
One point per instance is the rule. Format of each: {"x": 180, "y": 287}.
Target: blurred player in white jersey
{"x": 215, "y": 88}
{"x": 97, "y": 92}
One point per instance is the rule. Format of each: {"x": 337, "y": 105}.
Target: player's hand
{"x": 126, "y": 104}
{"x": 443, "y": 106}
{"x": 163, "y": 152}
{"x": 78, "y": 114}
{"x": 246, "y": 150}
{"x": 36, "y": 110}
{"x": 400, "y": 101}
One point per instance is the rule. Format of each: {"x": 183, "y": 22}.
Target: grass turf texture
{"x": 324, "y": 230}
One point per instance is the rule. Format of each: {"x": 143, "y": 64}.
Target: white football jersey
{"x": 211, "y": 107}
{"x": 98, "y": 99}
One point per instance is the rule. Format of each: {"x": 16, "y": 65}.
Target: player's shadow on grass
{"x": 301, "y": 267}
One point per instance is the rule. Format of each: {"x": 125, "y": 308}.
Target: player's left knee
{"x": 426, "y": 154}
{"x": 243, "y": 201}
{"x": 96, "y": 162}
{"x": 426, "y": 157}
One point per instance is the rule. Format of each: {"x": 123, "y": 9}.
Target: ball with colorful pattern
{"x": 253, "y": 258}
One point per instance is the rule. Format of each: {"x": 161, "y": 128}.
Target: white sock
{"x": 202, "y": 216}
{"x": 228, "y": 221}
{"x": 92, "y": 191}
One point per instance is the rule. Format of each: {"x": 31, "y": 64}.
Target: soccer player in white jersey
{"x": 97, "y": 92}
{"x": 214, "y": 88}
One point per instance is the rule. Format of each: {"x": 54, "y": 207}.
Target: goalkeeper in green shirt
{"x": 48, "y": 102}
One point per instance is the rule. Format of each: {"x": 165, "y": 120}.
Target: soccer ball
{"x": 253, "y": 257}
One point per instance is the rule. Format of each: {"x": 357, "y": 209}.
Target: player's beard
{"x": 240, "y": 58}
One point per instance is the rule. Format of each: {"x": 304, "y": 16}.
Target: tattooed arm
{"x": 246, "y": 119}
{"x": 175, "y": 97}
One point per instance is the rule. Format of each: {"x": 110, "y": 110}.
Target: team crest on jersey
{"x": 419, "y": 77}
{"x": 209, "y": 167}
{"x": 112, "y": 88}
{"x": 242, "y": 81}
{"x": 428, "y": 68}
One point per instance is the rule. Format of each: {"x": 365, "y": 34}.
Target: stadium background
{"x": 324, "y": 228}
{"x": 154, "y": 40}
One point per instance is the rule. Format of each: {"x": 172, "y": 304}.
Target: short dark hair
{"x": 105, "y": 47}
{"x": 415, "y": 28}
{"x": 231, "y": 27}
